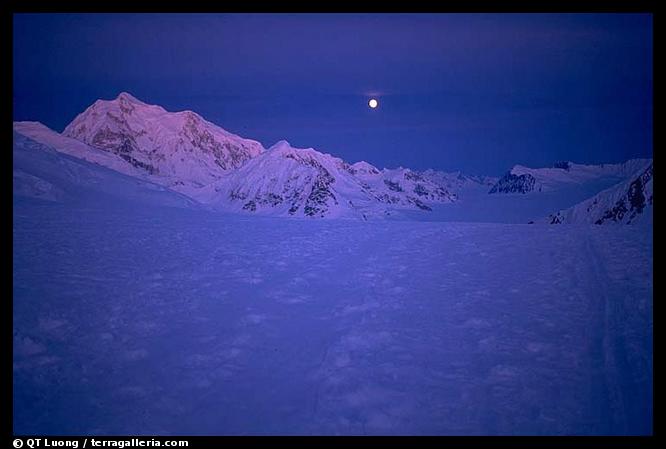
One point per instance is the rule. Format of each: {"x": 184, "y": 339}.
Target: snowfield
{"x": 389, "y": 302}
{"x": 162, "y": 320}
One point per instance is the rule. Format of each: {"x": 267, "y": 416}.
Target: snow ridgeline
{"x": 626, "y": 203}
{"x": 522, "y": 179}
{"x": 187, "y": 154}
{"x": 191, "y": 156}
{"x": 42, "y": 173}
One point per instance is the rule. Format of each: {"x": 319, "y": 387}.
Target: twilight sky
{"x": 477, "y": 93}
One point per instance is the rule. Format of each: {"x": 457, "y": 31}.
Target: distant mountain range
{"x": 625, "y": 203}
{"x": 196, "y": 158}
{"x": 522, "y": 179}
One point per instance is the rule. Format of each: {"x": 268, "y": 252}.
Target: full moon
{"x": 373, "y": 103}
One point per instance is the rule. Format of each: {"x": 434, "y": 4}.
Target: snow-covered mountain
{"x": 288, "y": 181}
{"x": 522, "y": 179}
{"x": 184, "y": 152}
{"x": 363, "y": 168}
{"x": 402, "y": 186}
{"x": 456, "y": 181}
{"x": 281, "y": 181}
{"x": 304, "y": 182}
{"x": 625, "y": 203}
{"x": 189, "y": 155}
{"x": 181, "y": 147}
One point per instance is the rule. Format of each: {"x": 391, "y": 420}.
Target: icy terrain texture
{"x": 137, "y": 312}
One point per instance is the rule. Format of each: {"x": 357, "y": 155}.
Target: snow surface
{"x": 135, "y": 313}
{"x": 63, "y": 144}
{"x": 171, "y": 321}
{"x": 41, "y": 172}
{"x": 137, "y": 310}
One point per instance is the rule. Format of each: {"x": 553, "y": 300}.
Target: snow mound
{"x": 42, "y": 172}
{"x": 40, "y": 133}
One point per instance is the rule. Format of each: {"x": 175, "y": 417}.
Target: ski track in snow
{"x": 165, "y": 321}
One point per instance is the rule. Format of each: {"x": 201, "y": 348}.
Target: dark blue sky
{"x": 475, "y": 92}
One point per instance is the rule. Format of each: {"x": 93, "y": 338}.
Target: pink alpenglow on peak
{"x": 180, "y": 145}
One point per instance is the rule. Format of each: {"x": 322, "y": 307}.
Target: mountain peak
{"x": 283, "y": 147}
{"x": 363, "y": 168}
{"x": 126, "y": 96}
{"x": 171, "y": 144}
{"x": 280, "y": 144}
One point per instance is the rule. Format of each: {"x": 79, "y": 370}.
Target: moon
{"x": 373, "y": 103}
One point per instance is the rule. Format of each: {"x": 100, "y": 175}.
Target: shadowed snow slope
{"x": 41, "y": 172}
{"x": 626, "y": 203}
{"x": 67, "y": 145}
{"x": 522, "y": 179}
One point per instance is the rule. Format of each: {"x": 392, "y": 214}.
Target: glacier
{"x": 189, "y": 300}
{"x": 167, "y": 321}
